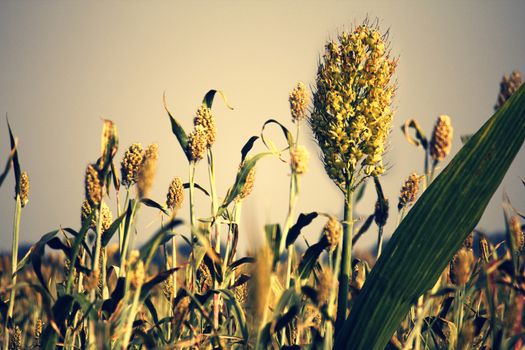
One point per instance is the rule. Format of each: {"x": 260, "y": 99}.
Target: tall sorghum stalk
{"x": 14, "y": 263}
{"x": 345, "y": 272}
{"x": 351, "y": 119}
{"x": 299, "y": 101}
{"x": 216, "y": 226}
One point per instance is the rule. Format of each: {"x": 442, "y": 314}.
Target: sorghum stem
{"x": 346, "y": 259}
{"x": 217, "y": 234}
{"x": 14, "y": 263}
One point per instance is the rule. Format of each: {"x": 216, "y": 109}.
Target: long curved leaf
{"x": 434, "y": 229}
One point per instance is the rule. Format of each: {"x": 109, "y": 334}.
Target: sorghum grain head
{"x": 131, "y": 163}
{"x": 409, "y": 191}
{"x": 93, "y": 185}
{"x": 197, "y": 144}
{"x": 148, "y": 169}
{"x": 351, "y": 116}
{"x": 299, "y": 100}
{"x": 106, "y": 218}
{"x": 508, "y": 86}
{"x": 15, "y": 342}
{"x": 175, "y": 195}
{"x": 332, "y": 231}
{"x": 517, "y": 233}
{"x": 441, "y": 141}
{"x": 24, "y": 189}
{"x": 248, "y": 184}
{"x": 206, "y": 121}
{"x": 461, "y": 266}
{"x": 299, "y": 158}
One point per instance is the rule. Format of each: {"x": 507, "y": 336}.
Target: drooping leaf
{"x": 16, "y": 162}
{"x": 420, "y": 139}
{"x": 302, "y": 221}
{"x": 362, "y": 230}
{"x": 178, "y": 131}
{"x": 310, "y": 258}
{"x": 210, "y": 95}
{"x": 152, "y": 282}
{"x": 197, "y": 186}
{"x": 434, "y": 229}
{"x": 286, "y": 132}
{"x": 152, "y": 204}
{"x": 247, "y": 147}
{"x": 8, "y": 164}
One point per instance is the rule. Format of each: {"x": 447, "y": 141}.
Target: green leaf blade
{"x": 434, "y": 229}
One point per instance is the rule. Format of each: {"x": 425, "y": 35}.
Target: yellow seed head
{"x": 167, "y": 289}
{"x": 38, "y": 332}
{"x": 248, "y": 184}
{"x": 381, "y": 213}
{"x": 206, "y": 121}
{"x": 508, "y": 86}
{"x": 93, "y": 185}
{"x": 205, "y": 279}
{"x": 441, "y": 141}
{"x": 461, "y": 266}
{"x": 15, "y": 343}
{"x": 351, "y": 116}
{"x": 197, "y": 144}
{"x": 299, "y": 159}
{"x": 106, "y": 218}
{"x": 131, "y": 163}
{"x": 175, "y": 195}
{"x": 241, "y": 293}
{"x": 409, "y": 191}
{"x": 147, "y": 171}
{"x": 332, "y": 231}
{"x": 24, "y": 188}
{"x": 299, "y": 100}
{"x": 517, "y": 233}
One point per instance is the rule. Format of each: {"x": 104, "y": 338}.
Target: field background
{"x": 65, "y": 65}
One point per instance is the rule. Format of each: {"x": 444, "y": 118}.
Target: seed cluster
{"x": 175, "y": 195}
{"x": 507, "y": 87}
{"x": 148, "y": 169}
{"x": 24, "y": 188}
{"x": 299, "y": 100}
{"x": 351, "y": 115}
{"x": 409, "y": 191}
{"x": 333, "y": 231}
{"x": 131, "y": 163}
{"x": 441, "y": 141}
{"x": 206, "y": 121}
{"x": 93, "y": 185}
{"x": 106, "y": 218}
{"x": 299, "y": 159}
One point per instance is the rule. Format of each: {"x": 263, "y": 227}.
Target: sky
{"x": 67, "y": 65}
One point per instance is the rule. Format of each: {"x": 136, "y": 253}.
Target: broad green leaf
{"x": 302, "y": 221}
{"x": 434, "y": 229}
{"x": 152, "y": 204}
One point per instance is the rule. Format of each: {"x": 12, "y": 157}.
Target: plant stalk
{"x": 346, "y": 260}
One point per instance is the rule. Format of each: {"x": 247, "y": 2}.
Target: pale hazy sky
{"x": 64, "y": 65}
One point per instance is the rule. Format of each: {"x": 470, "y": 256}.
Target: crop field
{"x": 436, "y": 283}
